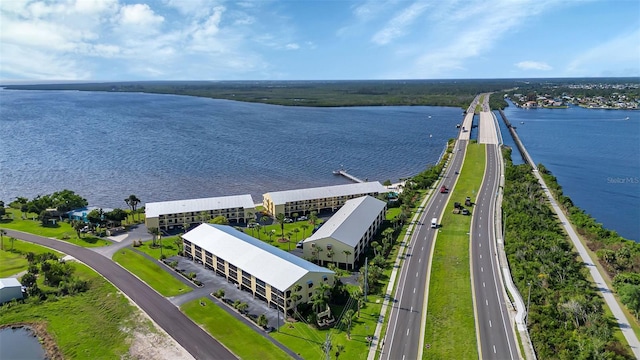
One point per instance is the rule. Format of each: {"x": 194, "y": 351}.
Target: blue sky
{"x": 111, "y": 40}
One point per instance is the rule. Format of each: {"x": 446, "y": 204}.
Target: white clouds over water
{"x": 373, "y": 39}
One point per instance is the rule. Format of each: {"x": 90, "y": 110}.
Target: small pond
{"x": 20, "y": 344}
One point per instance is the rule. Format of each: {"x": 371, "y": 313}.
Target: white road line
{"x": 414, "y": 290}
{"x": 481, "y": 269}
{"x": 411, "y": 309}
{"x": 483, "y": 284}
{"x": 407, "y": 332}
{"x": 486, "y": 302}
{"x": 480, "y": 256}
{"x": 494, "y": 349}
{"x": 490, "y": 324}
{"x": 416, "y": 274}
{"x": 479, "y": 244}
{"x": 419, "y": 260}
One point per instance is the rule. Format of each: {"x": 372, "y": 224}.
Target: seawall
{"x": 523, "y": 152}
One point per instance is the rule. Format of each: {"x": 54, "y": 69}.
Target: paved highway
{"x": 189, "y": 335}
{"x": 494, "y": 330}
{"x": 406, "y": 321}
{"x": 405, "y": 330}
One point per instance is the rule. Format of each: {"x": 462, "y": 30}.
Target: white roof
{"x": 349, "y": 224}
{"x": 9, "y": 282}
{"x": 268, "y": 263}
{"x": 283, "y": 197}
{"x": 155, "y": 209}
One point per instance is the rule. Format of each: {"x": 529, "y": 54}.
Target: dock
{"x": 347, "y": 175}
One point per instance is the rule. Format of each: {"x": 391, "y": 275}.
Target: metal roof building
{"x": 318, "y": 198}
{"x": 350, "y": 229}
{"x": 10, "y": 289}
{"x": 256, "y": 266}
{"x": 169, "y": 213}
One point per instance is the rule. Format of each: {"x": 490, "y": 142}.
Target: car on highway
{"x": 434, "y": 223}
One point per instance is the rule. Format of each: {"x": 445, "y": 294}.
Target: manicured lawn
{"x": 307, "y": 341}
{"x": 169, "y": 248}
{"x": 450, "y": 327}
{"x": 288, "y": 227}
{"x": 85, "y": 326}
{"x": 150, "y": 272}
{"x": 62, "y": 230}
{"x": 242, "y": 340}
{"x": 13, "y": 262}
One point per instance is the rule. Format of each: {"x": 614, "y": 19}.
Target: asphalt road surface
{"x": 189, "y": 335}
{"x": 406, "y": 320}
{"x": 497, "y": 339}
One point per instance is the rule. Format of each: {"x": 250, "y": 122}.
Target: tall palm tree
{"x": 304, "y": 229}
{"x": 313, "y": 218}
{"x": 258, "y": 227}
{"x": 3, "y": 232}
{"x": 289, "y": 233}
{"x": 346, "y": 255}
{"x": 132, "y": 201}
{"x": 296, "y": 231}
{"x": 280, "y": 219}
{"x": 154, "y": 231}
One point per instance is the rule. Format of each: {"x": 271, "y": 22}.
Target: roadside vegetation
{"x": 450, "y": 327}
{"x": 93, "y": 322}
{"x": 567, "y": 319}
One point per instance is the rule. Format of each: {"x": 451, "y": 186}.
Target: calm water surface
{"x": 106, "y": 146}
{"x": 20, "y": 344}
{"x": 595, "y": 154}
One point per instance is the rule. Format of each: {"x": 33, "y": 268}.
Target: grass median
{"x": 450, "y": 328}
{"x": 150, "y": 272}
{"x": 242, "y": 340}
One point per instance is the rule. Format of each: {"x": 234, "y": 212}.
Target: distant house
{"x": 81, "y": 213}
{"x": 10, "y": 289}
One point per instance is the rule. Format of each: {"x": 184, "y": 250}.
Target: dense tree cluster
{"x": 620, "y": 257}
{"x": 566, "y": 316}
{"x": 57, "y": 277}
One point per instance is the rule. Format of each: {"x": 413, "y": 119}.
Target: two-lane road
{"x": 495, "y": 333}
{"x": 406, "y": 321}
{"x": 189, "y": 335}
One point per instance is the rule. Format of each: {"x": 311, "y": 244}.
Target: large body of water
{"x": 594, "y": 153}
{"x": 106, "y": 146}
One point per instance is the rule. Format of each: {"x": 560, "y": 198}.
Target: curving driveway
{"x": 189, "y": 335}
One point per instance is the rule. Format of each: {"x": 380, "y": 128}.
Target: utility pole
{"x": 366, "y": 275}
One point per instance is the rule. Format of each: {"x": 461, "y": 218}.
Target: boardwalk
{"x": 347, "y": 175}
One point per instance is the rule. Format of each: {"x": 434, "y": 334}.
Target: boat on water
{"x": 521, "y": 122}
{"x": 627, "y": 118}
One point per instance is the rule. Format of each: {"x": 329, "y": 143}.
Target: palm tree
{"x": 346, "y": 255}
{"x": 316, "y": 252}
{"x": 313, "y": 218}
{"x": 258, "y": 227}
{"x": 132, "y": 201}
{"x": 11, "y": 240}
{"x": 304, "y": 229}
{"x": 280, "y": 219}
{"x": 77, "y": 226}
{"x": 347, "y": 320}
{"x": 264, "y": 219}
{"x": 374, "y": 245}
{"x": 289, "y": 233}
{"x": 3, "y": 232}
{"x": 262, "y": 320}
{"x": 204, "y": 217}
{"x": 296, "y": 231}
{"x": 271, "y": 235}
{"x": 154, "y": 231}
{"x": 295, "y": 216}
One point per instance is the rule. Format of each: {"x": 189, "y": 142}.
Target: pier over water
{"x": 347, "y": 175}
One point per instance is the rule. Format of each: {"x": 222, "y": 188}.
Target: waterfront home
{"x": 166, "y": 215}
{"x": 327, "y": 198}
{"x": 344, "y": 238}
{"x": 267, "y": 272}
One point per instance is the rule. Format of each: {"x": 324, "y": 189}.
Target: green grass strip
{"x": 12, "y": 258}
{"x": 450, "y": 329}
{"x": 150, "y": 272}
{"x": 231, "y": 332}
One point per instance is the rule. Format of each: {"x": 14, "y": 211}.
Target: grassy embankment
{"x": 61, "y": 231}
{"x": 450, "y": 327}
{"x": 14, "y": 262}
{"x": 232, "y": 333}
{"x": 90, "y": 325}
{"x": 150, "y": 272}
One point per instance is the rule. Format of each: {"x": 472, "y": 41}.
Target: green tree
{"x": 296, "y": 231}
{"x": 154, "y": 232}
{"x": 12, "y": 240}
{"x": 262, "y": 320}
{"x": 116, "y": 215}
{"x": 313, "y": 218}
{"x": 289, "y": 233}
{"x": 346, "y": 258}
{"x": 630, "y": 297}
{"x": 77, "y": 225}
{"x": 132, "y": 201}
{"x": 347, "y": 320}
{"x": 3, "y": 232}
{"x": 304, "y": 229}
{"x": 264, "y": 219}
{"x": 242, "y": 307}
{"x": 95, "y": 217}
{"x": 280, "y": 219}
{"x": 204, "y": 217}
{"x": 257, "y": 226}
{"x": 295, "y": 216}
{"x": 220, "y": 220}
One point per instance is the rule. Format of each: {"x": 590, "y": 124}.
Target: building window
{"x": 310, "y": 284}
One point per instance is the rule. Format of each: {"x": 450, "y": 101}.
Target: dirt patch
{"x": 39, "y": 329}
{"x": 150, "y": 342}
{"x": 283, "y": 240}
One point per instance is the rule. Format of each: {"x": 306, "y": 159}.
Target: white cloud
{"x": 139, "y": 15}
{"x": 533, "y": 65}
{"x": 397, "y": 26}
{"x": 292, "y": 46}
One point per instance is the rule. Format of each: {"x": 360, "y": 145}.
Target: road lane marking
{"x": 407, "y": 332}
{"x": 479, "y": 244}
{"x": 416, "y": 274}
{"x": 411, "y": 309}
{"x": 480, "y": 256}
{"x": 494, "y": 349}
{"x": 414, "y": 290}
{"x": 486, "y": 301}
{"x": 481, "y": 269}
{"x": 419, "y": 260}
{"x": 483, "y": 284}
{"x": 490, "y": 324}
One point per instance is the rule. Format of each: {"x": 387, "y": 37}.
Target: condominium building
{"x": 303, "y": 201}
{"x": 270, "y": 274}
{"x": 167, "y": 214}
{"x": 345, "y": 236}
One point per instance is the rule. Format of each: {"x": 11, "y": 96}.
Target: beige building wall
{"x": 306, "y": 206}
{"x": 249, "y": 282}
{"x": 164, "y": 221}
